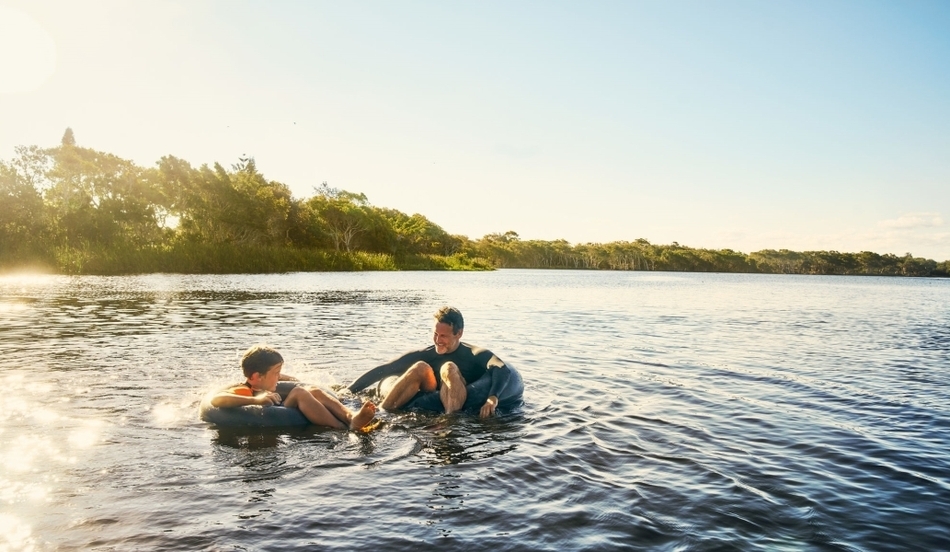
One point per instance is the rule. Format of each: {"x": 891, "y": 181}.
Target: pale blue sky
{"x": 748, "y": 125}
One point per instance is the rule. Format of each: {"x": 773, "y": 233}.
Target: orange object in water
{"x": 243, "y": 391}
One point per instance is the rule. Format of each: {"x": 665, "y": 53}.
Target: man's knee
{"x": 450, "y": 372}
{"x": 419, "y": 369}
{"x": 423, "y": 374}
{"x": 453, "y": 392}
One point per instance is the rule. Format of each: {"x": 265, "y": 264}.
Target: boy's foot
{"x": 364, "y": 416}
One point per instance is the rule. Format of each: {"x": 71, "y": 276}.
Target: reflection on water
{"x": 15, "y": 534}
{"x": 458, "y": 439}
{"x": 248, "y": 440}
{"x": 686, "y": 411}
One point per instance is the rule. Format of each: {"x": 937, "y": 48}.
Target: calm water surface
{"x": 662, "y": 412}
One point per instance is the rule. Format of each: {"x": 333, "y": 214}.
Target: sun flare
{"x": 27, "y": 52}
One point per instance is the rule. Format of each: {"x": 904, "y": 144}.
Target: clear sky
{"x": 726, "y": 124}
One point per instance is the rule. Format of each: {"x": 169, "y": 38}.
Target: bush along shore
{"x": 74, "y": 210}
{"x": 199, "y": 258}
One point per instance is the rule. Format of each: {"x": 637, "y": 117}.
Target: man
{"x": 446, "y": 376}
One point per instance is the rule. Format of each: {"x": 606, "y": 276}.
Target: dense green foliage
{"x": 79, "y": 211}
{"x": 507, "y": 250}
{"x": 75, "y": 210}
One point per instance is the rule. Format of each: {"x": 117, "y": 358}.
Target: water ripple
{"x": 671, "y": 412}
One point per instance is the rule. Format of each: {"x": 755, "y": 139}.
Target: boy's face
{"x": 267, "y": 381}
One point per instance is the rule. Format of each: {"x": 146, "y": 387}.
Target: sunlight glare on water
{"x": 15, "y": 536}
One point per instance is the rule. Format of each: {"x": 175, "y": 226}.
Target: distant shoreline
{"x": 192, "y": 258}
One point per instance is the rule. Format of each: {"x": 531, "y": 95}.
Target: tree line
{"x": 508, "y": 250}
{"x": 76, "y": 210}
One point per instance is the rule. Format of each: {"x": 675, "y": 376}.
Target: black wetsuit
{"x": 481, "y": 369}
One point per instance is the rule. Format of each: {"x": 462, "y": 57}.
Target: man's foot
{"x": 364, "y": 416}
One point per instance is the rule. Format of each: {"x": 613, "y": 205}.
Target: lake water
{"x": 662, "y": 412}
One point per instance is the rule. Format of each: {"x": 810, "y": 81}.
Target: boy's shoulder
{"x": 242, "y": 389}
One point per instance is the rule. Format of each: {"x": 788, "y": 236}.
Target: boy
{"x": 261, "y": 365}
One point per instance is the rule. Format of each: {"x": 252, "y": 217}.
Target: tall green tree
{"x": 23, "y": 221}
{"x": 414, "y": 234}
{"x": 96, "y": 197}
{"x": 344, "y": 216}
{"x": 219, "y": 206}
{"x": 68, "y": 138}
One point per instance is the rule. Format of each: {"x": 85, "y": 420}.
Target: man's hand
{"x": 488, "y": 409}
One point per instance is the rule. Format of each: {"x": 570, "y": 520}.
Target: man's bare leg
{"x": 453, "y": 392}
{"x": 419, "y": 377}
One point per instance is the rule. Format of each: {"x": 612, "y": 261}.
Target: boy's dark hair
{"x": 259, "y": 359}
{"x": 452, "y": 317}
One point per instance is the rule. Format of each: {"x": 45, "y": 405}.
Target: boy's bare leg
{"x": 353, "y": 421}
{"x": 314, "y": 411}
{"x": 419, "y": 377}
{"x": 453, "y": 392}
{"x": 332, "y": 404}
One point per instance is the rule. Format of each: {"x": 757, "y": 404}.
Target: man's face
{"x": 445, "y": 341}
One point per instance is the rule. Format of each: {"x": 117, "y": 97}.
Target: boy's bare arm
{"x": 226, "y": 399}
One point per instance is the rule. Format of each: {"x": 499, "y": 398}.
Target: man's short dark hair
{"x": 452, "y": 317}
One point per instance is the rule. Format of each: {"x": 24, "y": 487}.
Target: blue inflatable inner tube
{"x": 253, "y": 415}
{"x": 510, "y": 396}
